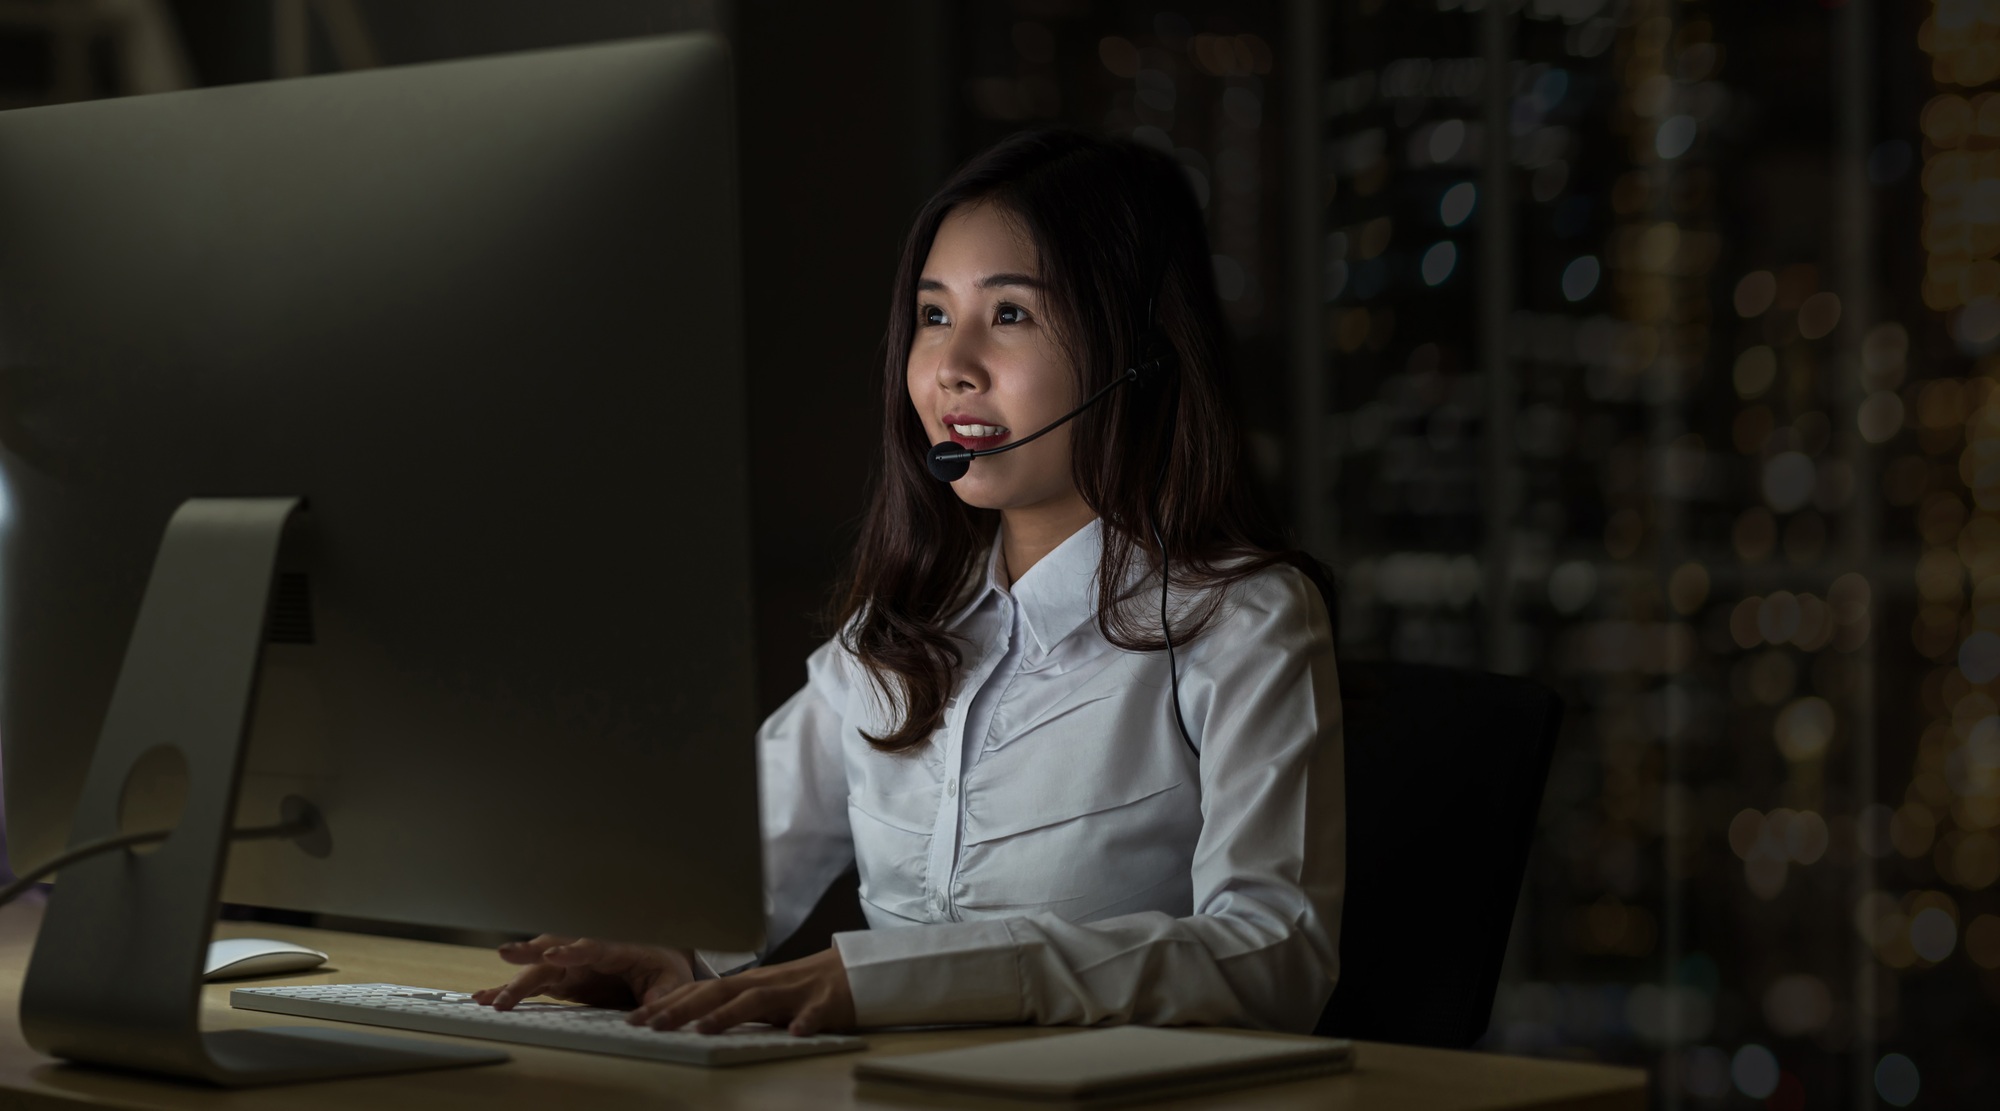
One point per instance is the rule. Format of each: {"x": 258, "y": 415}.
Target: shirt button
{"x": 951, "y": 788}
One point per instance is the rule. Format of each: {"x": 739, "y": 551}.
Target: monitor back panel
{"x": 485, "y": 315}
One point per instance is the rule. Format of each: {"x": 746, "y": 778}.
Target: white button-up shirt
{"x": 1055, "y": 854}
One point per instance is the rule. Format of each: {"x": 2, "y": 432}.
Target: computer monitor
{"x": 483, "y": 317}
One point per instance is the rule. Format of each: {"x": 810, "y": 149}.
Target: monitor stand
{"x": 116, "y": 975}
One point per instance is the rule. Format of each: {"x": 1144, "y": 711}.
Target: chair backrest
{"x": 1445, "y": 770}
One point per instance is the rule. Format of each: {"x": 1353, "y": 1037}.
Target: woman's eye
{"x": 1011, "y": 314}
{"x": 930, "y": 314}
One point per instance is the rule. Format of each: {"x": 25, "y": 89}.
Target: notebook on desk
{"x": 1106, "y": 1068}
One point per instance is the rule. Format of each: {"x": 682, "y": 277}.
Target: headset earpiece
{"x": 1157, "y": 361}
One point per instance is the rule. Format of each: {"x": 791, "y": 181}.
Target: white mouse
{"x": 237, "y": 958}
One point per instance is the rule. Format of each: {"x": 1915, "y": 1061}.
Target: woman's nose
{"x": 961, "y": 364}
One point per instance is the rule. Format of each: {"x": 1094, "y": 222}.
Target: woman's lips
{"x": 977, "y": 443}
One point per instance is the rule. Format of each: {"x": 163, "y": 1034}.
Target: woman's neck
{"x": 1026, "y": 535}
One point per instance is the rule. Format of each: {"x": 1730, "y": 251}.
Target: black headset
{"x": 948, "y": 462}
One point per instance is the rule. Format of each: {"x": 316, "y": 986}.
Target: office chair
{"x": 1445, "y": 770}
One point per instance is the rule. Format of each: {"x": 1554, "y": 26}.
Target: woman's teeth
{"x": 976, "y": 431}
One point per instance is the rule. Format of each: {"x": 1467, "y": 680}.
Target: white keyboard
{"x": 557, "y": 1025}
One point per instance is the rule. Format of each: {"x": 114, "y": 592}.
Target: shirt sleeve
{"x": 802, "y": 790}
{"x": 1262, "y": 947}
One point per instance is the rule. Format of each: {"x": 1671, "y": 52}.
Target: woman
{"x": 1058, "y": 814}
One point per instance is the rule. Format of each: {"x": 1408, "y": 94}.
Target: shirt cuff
{"x": 954, "y": 972}
{"x": 711, "y": 964}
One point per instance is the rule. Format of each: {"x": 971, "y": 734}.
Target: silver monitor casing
{"x": 485, "y": 317}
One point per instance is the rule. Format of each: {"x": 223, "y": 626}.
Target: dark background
{"x": 1674, "y": 416}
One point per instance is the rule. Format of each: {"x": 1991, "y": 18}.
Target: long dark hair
{"x": 1125, "y": 262}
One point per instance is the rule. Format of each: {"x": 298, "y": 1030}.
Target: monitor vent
{"x": 291, "y": 619}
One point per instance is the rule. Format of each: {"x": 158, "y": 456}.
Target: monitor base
{"x": 115, "y": 979}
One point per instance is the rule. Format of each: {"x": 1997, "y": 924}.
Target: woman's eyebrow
{"x": 991, "y": 281}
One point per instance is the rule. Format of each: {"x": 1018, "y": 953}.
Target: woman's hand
{"x": 806, "y": 996}
{"x": 597, "y": 973}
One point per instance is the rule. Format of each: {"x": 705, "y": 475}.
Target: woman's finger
{"x": 697, "y": 998}
{"x": 809, "y": 1021}
{"x": 582, "y": 952}
{"x": 663, "y": 989}
{"x": 530, "y": 951}
{"x": 768, "y": 1004}
{"x": 485, "y": 996}
{"x": 663, "y": 995}
{"x": 532, "y": 981}
{"x": 683, "y": 1003}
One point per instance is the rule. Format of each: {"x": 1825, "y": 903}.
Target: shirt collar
{"x": 989, "y": 585}
{"x": 1059, "y": 592}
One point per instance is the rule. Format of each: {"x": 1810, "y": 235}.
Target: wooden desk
{"x": 1387, "y": 1077}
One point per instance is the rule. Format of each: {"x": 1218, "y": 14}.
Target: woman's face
{"x": 985, "y": 369}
